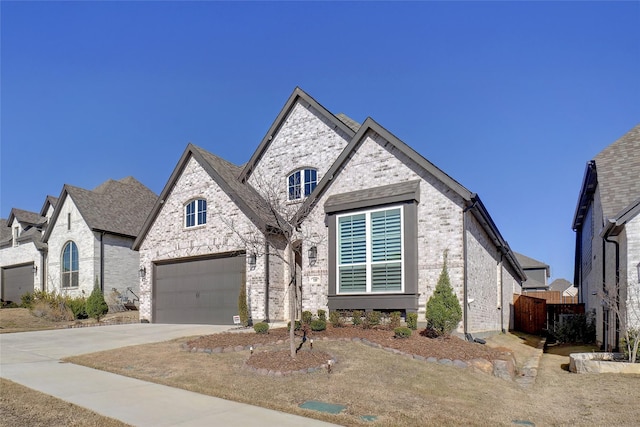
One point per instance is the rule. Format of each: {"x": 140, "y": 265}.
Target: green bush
{"x": 394, "y": 320}
{"x": 96, "y": 305}
{"x": 371, "y": 319}
{"x": 307, "y": 317}
{"x": 402, "y": 332}
{"x": 318, "y": 325}
{"x": 356, "y": 317}
{"x": 322, "y": 315}
{"x": 261, "y": 328}
{"x": 243, "y": 309}
{"x": 297, "y": 326}
{"x": 26, "y": 300}
{"x": 412, "y": 320}
{"x": 336, "y": 319}
{"x": 443, "y": 309}
{"x": 78, "y": 307}
{"x": 575, "y": 328}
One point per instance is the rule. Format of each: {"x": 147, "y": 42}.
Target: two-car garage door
{"x": 16, "y": 281}
{"x": 201, "y": 291}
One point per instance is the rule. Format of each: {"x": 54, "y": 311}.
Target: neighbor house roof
{"x": 528, "y": 262}
{"x": 560, "y": 285}
{"x": 5, "y": 230}
{"x": 117, "y": 207}
{"x": 26, "y": 217}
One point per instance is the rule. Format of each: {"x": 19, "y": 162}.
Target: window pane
{"x": 202, "y": 212}
{"x": 65, "y": 280}
{"x": 352, "y": 239}
{"x": 353, "y": 278}
{"x": 386, "y": 277}
{"x": 74, "y": 256}
{"x": 294, "y": 186}
{"x": 310, "y": 181}
{"x": 386, "y": 241}
{"x": 190, "y": 214}
{"x": 74, "y": 279}
{"x": 66, "y": 258}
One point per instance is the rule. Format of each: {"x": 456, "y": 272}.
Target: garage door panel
{"x": 16, "y": 281}
{"x": 201, "y": 291}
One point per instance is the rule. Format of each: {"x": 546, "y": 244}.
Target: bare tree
{"x": 624, "y": 303}
{"x": 283, "y": 235}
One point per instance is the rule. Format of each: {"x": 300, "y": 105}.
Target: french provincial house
{"x": 366, "y": 219}
{"x": 22, "y": 253}
{"x": 81, "y": 238}
{"x": 607, "y": 226}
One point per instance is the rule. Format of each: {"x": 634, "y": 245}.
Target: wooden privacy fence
{"x": 530, "y": 314}
{"x": 552, "y": 297}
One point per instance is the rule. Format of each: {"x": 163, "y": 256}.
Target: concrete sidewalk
{"x": 33, "y": 359}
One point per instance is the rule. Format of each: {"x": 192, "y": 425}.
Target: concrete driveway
{"x": 33, "y": 359}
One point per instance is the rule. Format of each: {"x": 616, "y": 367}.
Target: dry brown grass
{"x": 21, "y": 406}
{"x": 22, "y": 320}
{"x": 399, "y": 390}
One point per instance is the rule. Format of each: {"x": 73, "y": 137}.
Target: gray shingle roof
{"x": 118, "y": 207}
{"x": 560, "y": 285}
{"x": 27, "y": 217}
{"x": 355, "y": 126}
{"x": 5, "y": 230}
{"x": 527, "y": 262}
{"x": 618, "y": 168}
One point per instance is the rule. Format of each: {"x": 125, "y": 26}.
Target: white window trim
{"x": 71, "y": 271}
{"x": 302, "y": 183}
{"x": 368, "y": 262}
{"x": 196, "y": 223}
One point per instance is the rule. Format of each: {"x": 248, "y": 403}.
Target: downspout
{"x": 617, "y": 288}
{"x": 266, "y": 282}
{"x": 102, "y": 262}
{"x": 501, "y": 293}
{"x": 465, "y": 320}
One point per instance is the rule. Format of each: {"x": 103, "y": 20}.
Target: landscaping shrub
{"x": 318, "y": 325}
{"x": 96, "y": 305}
{"x": 307, "y": 317}
{"x": 243, "y": 309}
{"x": 575, "y": 328}
{"x": 412, "y": 320}
{"x": 394, "y": 320}
{"x": 78, "y": 307}
{"x": 356, "y": 317}
{"x": 371, "y": 319}
{"x": 297, "y": 326}
{"x": 26, "y": 300}
{"x": 443, "y": 309}
{"x": 322, "y": 315}
{"x": 336, "y": 319}
{"x": 261, "y": 328}
{"x": 52, "y": 312}
{"x": 402, "y": 332}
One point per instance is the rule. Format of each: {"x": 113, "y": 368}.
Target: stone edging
{"x": 92, "y": 325}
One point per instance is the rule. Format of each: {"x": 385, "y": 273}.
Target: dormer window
{"x": 195, "y": 213}
{"x": 302, "y": 183}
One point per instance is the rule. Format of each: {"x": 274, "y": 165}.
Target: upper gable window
{"x": 301, "y": 183}
{"x": 195, "y": 213}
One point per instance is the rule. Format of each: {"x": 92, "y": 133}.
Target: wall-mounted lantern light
{"x": 142, "y": 272}
{"x": 34, "y": 269}
{"x": 313, "y": 255}
{"x": 251, "y": 260}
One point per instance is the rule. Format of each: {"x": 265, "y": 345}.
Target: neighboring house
{"x": 607, "y": 226}
{"x": 22, "y": 253}
{"x": 563, "y": 286}
{"x": 89, "y": 238}
{"x": 373, "y": 220}
{"x": 537, "y": 273}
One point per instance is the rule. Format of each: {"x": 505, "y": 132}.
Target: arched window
{"x": 70, "y": 265}
{"x": 195, "y": 213}
{"x": 301, "y": 183}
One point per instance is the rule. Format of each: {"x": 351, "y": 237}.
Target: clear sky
{"x": 511, "y": 99}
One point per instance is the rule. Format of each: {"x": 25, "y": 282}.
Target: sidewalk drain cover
{"x": 368, "y": 417}
{"x": 323, "y": 407}
{"x": 523, "y": 423}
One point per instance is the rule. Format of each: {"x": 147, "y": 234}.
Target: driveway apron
{"x": 33, "y": 359}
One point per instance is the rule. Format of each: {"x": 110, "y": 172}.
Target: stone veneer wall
{"x": 632, "y": 273}
{"x": 121, "y": 265}
{"x": 168, "y": 239}
{"x": 22, "y": 254}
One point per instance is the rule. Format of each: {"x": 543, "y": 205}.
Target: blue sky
{"x": 511, "y": 99}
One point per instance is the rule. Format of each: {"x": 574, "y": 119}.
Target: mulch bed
{"x": 441, "y": 348}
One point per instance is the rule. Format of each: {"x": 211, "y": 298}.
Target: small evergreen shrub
{"x": 307, "y": 317}
{"x": 318, "y": 325}
{"x": 322, "y": 315}
{"x": 261, "y": 328}
{"x": 78, "y": 307}
{"x": 336, "y": 319}
{"x": 394, "y": 320}
{"x": 402, "y": 332}
{"x": 371, "y": 319}
{"x": 443, "y": 309}
{"x": 96, "y": 305}
{"x": 412, "y": 320}
{"x": 26, "y": 300}
{"x": 356, "y": 317}
{"x": 297, "y": 326}
{"x": 243, "y": 309}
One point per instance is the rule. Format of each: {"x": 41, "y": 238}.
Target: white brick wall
{"x": 22, "y": 254}
{"x": 121, "y": 265}
{"x": 632, "y": 231}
